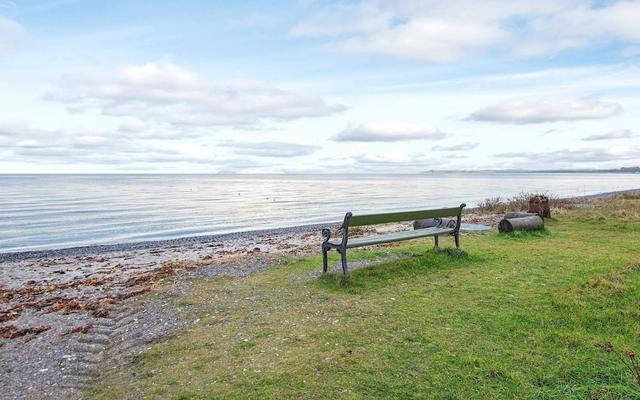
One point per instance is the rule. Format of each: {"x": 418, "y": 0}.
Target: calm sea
{"x": 56, "y": 211}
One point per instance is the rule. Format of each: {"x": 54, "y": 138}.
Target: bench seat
{"x": 392, "y": 237}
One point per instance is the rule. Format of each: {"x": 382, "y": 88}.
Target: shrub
{"x": 519, "y": 202}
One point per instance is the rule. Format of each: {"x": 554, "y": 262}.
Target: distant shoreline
{"x": 634, "y": 171}
{"x": 151, "y": 244}
{"x": 145, "y": 245}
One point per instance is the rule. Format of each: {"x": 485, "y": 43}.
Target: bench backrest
{"x": 374, "y": 219}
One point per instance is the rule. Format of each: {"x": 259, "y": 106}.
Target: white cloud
{"x": 456, "y": 147}
{"x": 163, "y": 92}
{"x": 576, "y": 156}
{"x": 550, "y": 33}
{"x": 18, "y": 134}
{"x": 12, "y": 35}
{"x": 270, "y": 149}
{"x": 539, "y": 110}
{"x": 7, "y": 5}
{"x": 395, "y": 163}
{"x": 135, "y": 126}
{"x": 432, "y": 31}
{"x": 425, "y": 39}
{"x": 439, "y": 31}
{"x": 619, "y": 134}
{"x": 23, "y": 143}
{"x": 383, "y": 159}
{"x": 342, "y": 19}
{"x": 22, "y": 134}
{"x": 388, "y": 132}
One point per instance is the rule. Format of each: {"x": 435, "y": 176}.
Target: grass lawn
{"x": 520, "y": 316}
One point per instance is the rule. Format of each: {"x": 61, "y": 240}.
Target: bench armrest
{"x": 345, "y": 228}
{"x": 459, "y": 218}
{"x": 326, "y": 234}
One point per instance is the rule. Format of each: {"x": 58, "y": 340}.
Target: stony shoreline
{"x": 147, "y": 245}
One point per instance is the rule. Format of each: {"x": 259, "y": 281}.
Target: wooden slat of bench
{"x": 393, "y": 237}
{"x": 373, "y": 219}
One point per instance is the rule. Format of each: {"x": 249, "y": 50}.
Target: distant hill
{"x": 622, "y": 170}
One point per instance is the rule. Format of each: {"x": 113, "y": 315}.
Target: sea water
{"x": 57, "y": 211}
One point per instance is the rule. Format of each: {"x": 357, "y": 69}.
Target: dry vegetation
{"x": 520, "y": 202}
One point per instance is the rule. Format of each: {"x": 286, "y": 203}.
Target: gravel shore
{"x": 66, "y": 315}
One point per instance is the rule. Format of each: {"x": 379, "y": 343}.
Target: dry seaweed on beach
{"x": 166, "y": 269}
{"x": 12, "y": 331}
{"x": 77, "y": 329}
{"x": 32, "y": 289}
{"x": 94, "y": 284}
{"x": 8, "y": 315}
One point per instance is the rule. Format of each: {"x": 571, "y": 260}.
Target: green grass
{"x": 513, "y": 316}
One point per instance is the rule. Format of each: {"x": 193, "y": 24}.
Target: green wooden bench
{"x": 350, "y": 220}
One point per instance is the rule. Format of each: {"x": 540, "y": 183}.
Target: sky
{"x": 367, "y": 86}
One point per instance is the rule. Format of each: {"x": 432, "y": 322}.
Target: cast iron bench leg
{"x": 343, "y": 258}
{"x": 457, "y": 238}
{"x": 325, "y": 263}
{"x": 435, "y": 240}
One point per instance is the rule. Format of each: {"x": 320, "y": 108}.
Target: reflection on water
{"x": 53, "y": 211}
